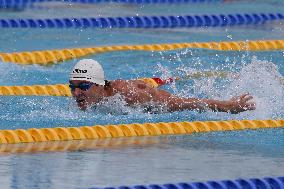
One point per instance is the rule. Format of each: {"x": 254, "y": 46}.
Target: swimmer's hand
{"x": 240, "y": 104}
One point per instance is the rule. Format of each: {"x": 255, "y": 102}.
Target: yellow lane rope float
{"x": 36, "y": 90}
{"x": 75, "y": 145}
{"x": 54, "y": 56}
{"x": 64, "y": 90}
{"x": 130, "y": 130}
{"x": 55, "y": 90}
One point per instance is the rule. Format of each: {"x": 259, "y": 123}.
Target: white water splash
{"x": 260, "y": 78}
{"x": 264, "y": 82}
{"x": 167, "y": 73}
{"x": 115, "y": 105}
{"x": 202, "y": 85}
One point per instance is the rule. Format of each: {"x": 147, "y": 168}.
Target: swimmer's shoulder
{"x": 120, "y": 82}
{"x": 125, "y": 85}
{"x": 119, "y": 85}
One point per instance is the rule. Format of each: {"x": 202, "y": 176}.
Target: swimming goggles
{"x": 82, "y": 86}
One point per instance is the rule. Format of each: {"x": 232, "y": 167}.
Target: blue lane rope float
{"x": 144, "y": 1}
{"x": 253, "y": 183}
{"x": 145, "y": 21}
{"x": 27, "y": 3}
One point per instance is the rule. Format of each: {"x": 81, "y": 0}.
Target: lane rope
{"x": 55, "y": 56}
{"x": 253, "y": 183}
{"x": 58, "y": 89}
{"x": 36, "y": 90}
{"x": 29, "y": 3}
{"x": 64, "y": 90}
{"x": 75, "y": 145}
{"x": 145, "y": 22}
{"x": 145, "y": 1}
{"x": 130, "y": 130}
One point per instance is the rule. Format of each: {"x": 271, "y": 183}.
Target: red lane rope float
{"x": 55, "y": 56}
{"x": 130, "y": 130}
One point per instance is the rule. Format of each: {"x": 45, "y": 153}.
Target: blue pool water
{"x": 198, "y": 157}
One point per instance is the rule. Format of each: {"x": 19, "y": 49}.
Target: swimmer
{"x": 89, "y": 87}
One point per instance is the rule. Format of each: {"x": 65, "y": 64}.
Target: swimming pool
{"x": 196, "y": 157}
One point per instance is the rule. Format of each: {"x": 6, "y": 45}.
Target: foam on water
{"x": 264, "y": 82}
{"x": 260, "y": 78}
{"x": 115, "y": 105}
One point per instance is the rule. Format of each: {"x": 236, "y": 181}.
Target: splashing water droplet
{"x": 263, "y": 81}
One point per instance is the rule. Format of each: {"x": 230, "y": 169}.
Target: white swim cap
{"x": 88, "y": 70}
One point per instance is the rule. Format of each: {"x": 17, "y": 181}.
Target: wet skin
{"x": 138, "y": 92}
{"x": 85, "y": 98}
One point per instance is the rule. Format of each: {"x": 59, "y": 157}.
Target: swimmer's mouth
{"x": 82, "y": 104}
{"x": 81, "y": 101}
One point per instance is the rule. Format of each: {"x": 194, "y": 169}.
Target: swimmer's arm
{"x": 178, "y": 104}
{"x": 234, "y": 105}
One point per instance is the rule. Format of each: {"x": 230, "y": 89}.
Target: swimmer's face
{"x": 86, "y": 93}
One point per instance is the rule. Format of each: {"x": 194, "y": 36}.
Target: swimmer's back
{"x": 136, "y": 91}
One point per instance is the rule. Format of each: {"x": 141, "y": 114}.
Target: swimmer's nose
{"x": 77, "y": 92}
